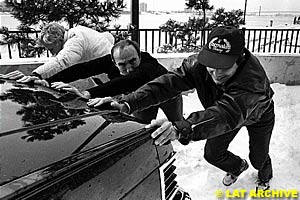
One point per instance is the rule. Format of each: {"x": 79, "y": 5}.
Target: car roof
{"x": 40, "y": 126}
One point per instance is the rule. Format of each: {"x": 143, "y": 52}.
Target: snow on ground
{"x": 202, "y": 180}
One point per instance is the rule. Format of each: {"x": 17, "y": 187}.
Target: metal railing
{"x": 268, "y": 40}
{"x": 273, "y": 40}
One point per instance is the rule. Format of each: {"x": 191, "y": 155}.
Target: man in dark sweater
{"x": 136, "y": 69}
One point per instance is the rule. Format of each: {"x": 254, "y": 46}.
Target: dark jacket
{"x": 241, "y": 101}
{"x": 148, "y": 70}
{"x": 94, "y": 67}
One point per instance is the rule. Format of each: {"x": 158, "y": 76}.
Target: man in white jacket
{"x": 69, "y": 47}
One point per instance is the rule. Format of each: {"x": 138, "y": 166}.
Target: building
{"x": 143, "y": 7}
{"x": 188, "y": 10}
{"x": 4, "y": 8}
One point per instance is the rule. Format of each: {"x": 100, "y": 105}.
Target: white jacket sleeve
{"x": 109, "y": 37}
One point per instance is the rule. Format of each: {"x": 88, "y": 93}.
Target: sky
{"x": 252, "y": 5}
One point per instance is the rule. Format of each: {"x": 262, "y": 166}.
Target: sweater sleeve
{"x": 84, "y": 70}
{"x": 128, "y": 83}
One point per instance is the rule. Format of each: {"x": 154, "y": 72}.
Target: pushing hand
{"x": 97, "y": 102}
{"x": 26, "y": 79}
{"x": 42, "y": 82}
{"x": 164, "y": 133}
{"x": 64, "y": 86}
{"x": 67, "y": 87}
{"x": 13, "y": 75}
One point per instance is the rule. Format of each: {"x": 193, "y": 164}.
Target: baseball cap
{"x": 225, "y": 45}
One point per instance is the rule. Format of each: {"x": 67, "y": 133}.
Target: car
{"x": 53, "y": 146}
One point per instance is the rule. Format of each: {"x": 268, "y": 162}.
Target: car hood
{"x": 40, "y": 126}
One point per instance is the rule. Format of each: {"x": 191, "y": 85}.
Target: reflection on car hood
{"x": 39, "y": 126}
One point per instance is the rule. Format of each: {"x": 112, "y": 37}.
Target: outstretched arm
{"x": 84, "y": 70}
{"x": 158, "y": 91}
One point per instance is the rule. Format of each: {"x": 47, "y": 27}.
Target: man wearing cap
{"x": 235, "y": 92}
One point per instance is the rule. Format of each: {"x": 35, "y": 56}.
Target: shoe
{"x": 262, "y": 185}
{"x": 230, "y": 178}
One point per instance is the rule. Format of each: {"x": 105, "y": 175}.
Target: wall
{"x": 283, "y": 68}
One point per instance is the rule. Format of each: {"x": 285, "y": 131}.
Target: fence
{"x": 266, "y": 40}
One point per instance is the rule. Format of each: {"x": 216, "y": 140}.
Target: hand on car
{"x": 70, "y": 88}
{"x": 13, "y": 75}
{"x": 165, "y": 133}
{"x": 66, "y": 87}
{"x": 42, "y": 82}
{"x": 21, "y": 78}
{"x": 26, "y": 79}
{"x": 96, "y": 102}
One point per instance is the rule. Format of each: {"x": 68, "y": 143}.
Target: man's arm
{"x": 127, "y": 83}
{"x": 231, "y": 112}
{"x": 161, "y": 89}
{"x": 84, "y": 70}
{"x": 119, "y": 85}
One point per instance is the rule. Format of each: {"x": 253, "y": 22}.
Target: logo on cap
{"x": 220, "y": 45}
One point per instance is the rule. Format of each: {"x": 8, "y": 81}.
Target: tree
{"x": 201, "y": 6}
{"x": 232, "y": 18}
{"x": 26, "y": 44}
{"x": 95, "y": 14}
{"x": 74, "y": 12}
{"x": 186, "y": 31}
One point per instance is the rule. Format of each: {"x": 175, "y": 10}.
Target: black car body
{"x": 52, "y": 146}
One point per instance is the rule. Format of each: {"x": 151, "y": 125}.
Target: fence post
{"x": 244, "y": 30}
{"x": 9, "y": 51}
{"x": 135, "y": 20}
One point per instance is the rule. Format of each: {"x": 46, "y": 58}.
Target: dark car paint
{"x": 53, "y": 146}
{"x": 43, "y": 133}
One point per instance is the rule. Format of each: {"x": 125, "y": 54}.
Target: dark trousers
{"x": 172, "y": 108}
{"x": 260, "y": 133}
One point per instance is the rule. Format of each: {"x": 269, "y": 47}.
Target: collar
{"x": 65, "y": 36}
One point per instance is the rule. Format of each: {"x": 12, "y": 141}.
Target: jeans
{"x": 172, "y": 108}
{"x": 216, "y": 152}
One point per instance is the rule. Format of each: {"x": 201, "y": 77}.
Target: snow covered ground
{"x": 202, "y": 180}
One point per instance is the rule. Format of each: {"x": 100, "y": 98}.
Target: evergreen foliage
{"x": 232, "y": 18}
{"x": 33, "y": 14}
{"x": 201, "y": 6}
{"x": 92, "y": 13}
{"x": 188, "y": 32}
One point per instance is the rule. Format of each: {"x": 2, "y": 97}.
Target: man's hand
{"x": 165, "y": 133}
{"x": 64, "y": 86}
{"x": 68, "y": 87}
{"x": 42, "y": 82}
{"x": 96, "y": 102}
{"x": 26, "y": 79}
{"x": 13, "y": 75}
